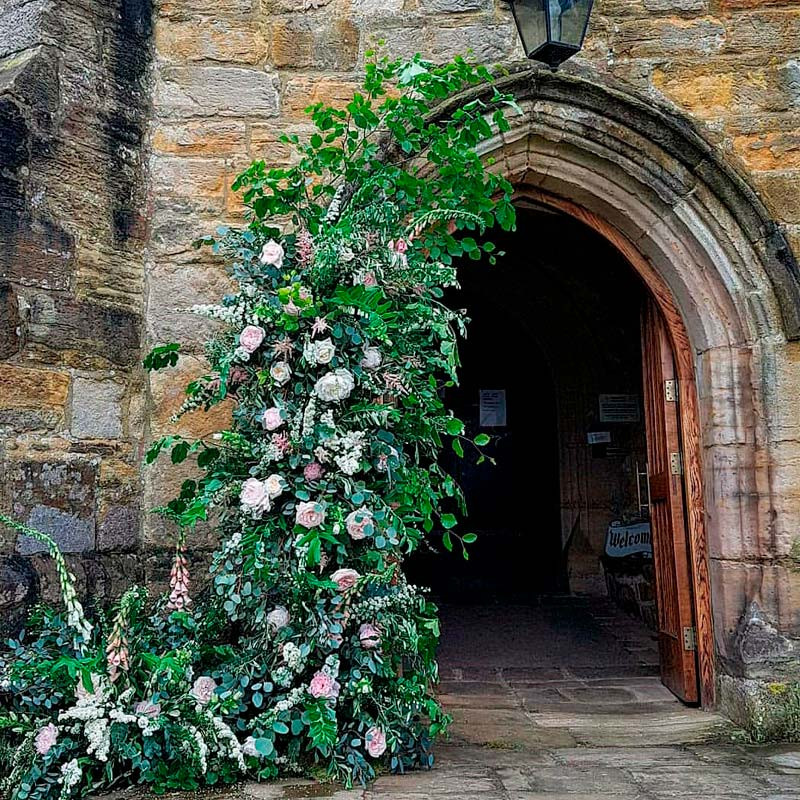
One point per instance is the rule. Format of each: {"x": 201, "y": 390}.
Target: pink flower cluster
{"x": 179, "y": 598}
{"x": 45, "y": 739}
{"x": 375, "y": 740}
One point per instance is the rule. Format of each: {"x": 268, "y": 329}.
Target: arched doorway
{"x": 728, "y": 287}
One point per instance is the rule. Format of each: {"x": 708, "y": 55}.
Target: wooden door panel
{"x": 667, "y": 512}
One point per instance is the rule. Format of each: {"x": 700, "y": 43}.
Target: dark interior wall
{"x": 555, "y": 323}
{"x": 74, "y": 110}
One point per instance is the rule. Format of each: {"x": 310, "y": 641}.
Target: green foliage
{"x": 310, "y": 652}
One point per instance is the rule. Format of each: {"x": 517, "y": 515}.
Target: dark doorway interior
{"x": 556, "y": 327}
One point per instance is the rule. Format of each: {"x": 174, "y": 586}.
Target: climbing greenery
{"x": 310, "y": 652}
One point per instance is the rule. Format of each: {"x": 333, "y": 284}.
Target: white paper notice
{"x": 493, "y": 408}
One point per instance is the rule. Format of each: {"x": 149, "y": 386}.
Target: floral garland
{"x": 311, "y": 653}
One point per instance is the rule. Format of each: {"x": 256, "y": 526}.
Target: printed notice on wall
{"x": 493, "y": 408}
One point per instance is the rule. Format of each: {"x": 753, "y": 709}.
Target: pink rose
{"x": 272, "y": 253}
{"x": 359, "y": 523}
{"x": 45, "y": 739}
{"x": 147, "y": 709}
{"x": 370, "y": 636}
{"x": 255, "y": 496}
{"x": 375, "y": 739}
{"x": 272, "y": 419}
{"x": 310, "y": 514}
{"x": 323, "y": 685}
{"x": 251, "y": 337}
{"x": 345, "y": 578}
{"x": 313, "y": 471}
{"x": 203, "y": 689}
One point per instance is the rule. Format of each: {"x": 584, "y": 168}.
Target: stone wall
{"x": 74, "y": 106}
{"x": 94, "y": 263}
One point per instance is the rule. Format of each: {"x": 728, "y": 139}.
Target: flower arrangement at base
{"x": 310, "y": 653}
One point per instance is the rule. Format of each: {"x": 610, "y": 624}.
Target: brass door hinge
{"x": 671, "y": 391}
{"x": 675, "y": 464}
{"x": 689, "y": 639}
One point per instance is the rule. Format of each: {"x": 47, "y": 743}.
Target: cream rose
{"x": 272, "y": 254}
{"x": 272, "y": 419}
{"x": 281, "y": 372}
{"x": 334, "y": 386}
{"x": 45, "y": 739}
{"x": 321, "y": 352}
{"x": 310, "y": 514}
{"x": 345, "y": 578}
{"x": 275, "y": 485}
{"x": 359, "y": 523}
{"x": 255, "y": 496}
{"x": 251, "y": 337}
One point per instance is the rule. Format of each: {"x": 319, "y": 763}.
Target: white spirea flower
{"x": 334, "y": 386}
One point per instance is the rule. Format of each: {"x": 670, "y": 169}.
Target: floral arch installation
{"x": 720, "y": 269}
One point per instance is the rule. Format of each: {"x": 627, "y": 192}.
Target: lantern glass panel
{"x": 568, "y": 21}
{"x": 531, "y": 16}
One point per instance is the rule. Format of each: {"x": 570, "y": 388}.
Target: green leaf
{"x": 449, "y": 521}
{"x": 455, "y": 427}
{"x": 482, "y": 440}
{"x": 264, "y": 746}
{"x": 457, "y": 448}
{"x": 469, "y": 538}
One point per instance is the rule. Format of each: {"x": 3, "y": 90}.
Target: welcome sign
{"x": 627, "y": 540}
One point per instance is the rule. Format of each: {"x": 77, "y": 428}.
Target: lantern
{"x": 551, "y": 30}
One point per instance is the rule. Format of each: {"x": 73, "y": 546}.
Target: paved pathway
{"x": 563, "y": 702}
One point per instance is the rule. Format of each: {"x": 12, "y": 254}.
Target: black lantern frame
{"x": 551, "y": 31}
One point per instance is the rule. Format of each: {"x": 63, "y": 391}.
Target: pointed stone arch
{"x": 726, "y": 278}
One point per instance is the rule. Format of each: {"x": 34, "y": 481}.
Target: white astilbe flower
{"x": 229, "y": 746}
{"x": 308, "y": 416}
{"x": 200, "y": 750}
{"x": 71, "y": 775}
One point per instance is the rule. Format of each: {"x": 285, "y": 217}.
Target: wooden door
{"x": 676, "y": 625}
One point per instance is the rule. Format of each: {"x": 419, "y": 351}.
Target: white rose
{"x": 255, "y": 496}
{"x": 274, "y": 485}
{"x": 321, "y": 352}
{"x": 281, "y": 372}
{"x": 272, "y": 254}
{"x": 334, "y": 386}
{"x": 278, "y": 618}
{"x": 372, "y": 358}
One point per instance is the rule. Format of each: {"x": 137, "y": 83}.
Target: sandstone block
{"x": 779, "y": 190}
{"x": 314, "y": 42}
{"x": 490, "y": 42}
{"x": 96, "y": 411}
{"x": 772, "y": 29}
{"x": 658, "y": 37}
{"x": 201, "y": 180}
{"x": 265, "y": 143}
{"x": 676, "y": 6}
{"x": 216, "y": 39}
{"x": 454, "y": 6}
{"x": 168, "y": 391}
{"x": 17, "y": 592}
{"x": 207, "y": 91}
{"x": 770, "y": 151}
{"x": 201, "y": 138}
{"x": 376, "y": 8}
{"x": 303, "y": 91}
{"x": 34, "y": 389}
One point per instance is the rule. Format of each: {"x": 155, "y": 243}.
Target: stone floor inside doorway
{"x": 562, "y": 702}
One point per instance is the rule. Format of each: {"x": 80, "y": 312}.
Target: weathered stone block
{"x": 303, "y": 91}
{"x": 201, "y": 138}
{"x": 265, "y": 143}
{"x": 72, "y": 534}
{"x": 17, "y": 592}
{"x": 658, "y": 37}
{"x": 779, "y": 189}
{"x": 490, "y": 42}
{"x": 206, "y": 91}
{"x": 219, "y": 38}
{"x": 454, "y": 6}
{"x": 119, "y": 529}
{"x": 10, "y": 330}
{"x": 57, "y": 323}
{"x": 96, "y": 409}
{"x": 200, "y": 180}
{"x": 314, "y": 42}
{"x": 770, "y": 151}
{"x": 34, "y": 389}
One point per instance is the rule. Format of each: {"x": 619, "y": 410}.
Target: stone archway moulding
{"x": 719, "y": 266}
